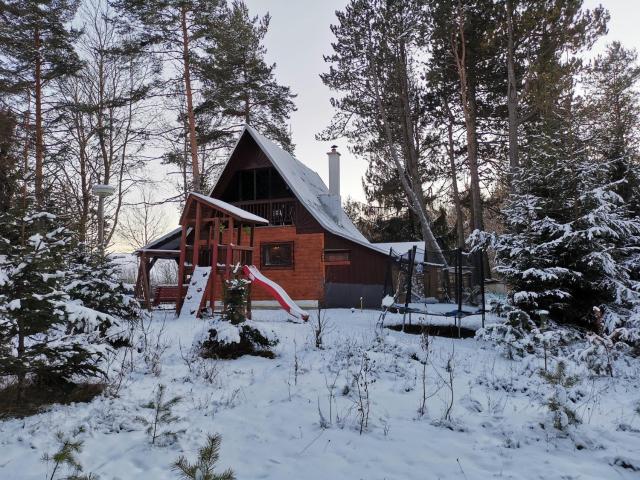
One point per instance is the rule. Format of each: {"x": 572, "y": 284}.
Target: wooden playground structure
{"x": 215, "y": 236}
{"x": 216, "y": 243}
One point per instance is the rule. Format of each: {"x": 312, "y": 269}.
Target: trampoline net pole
{"x": 481, "y": 253}
{"x": 459, "y": 271}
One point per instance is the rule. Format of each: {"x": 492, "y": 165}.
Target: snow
{"x": 227, "y": 332}
{"x": 267, "y": 412}
{"x": 388, "y": 301}
{"x": 231, "y": 209}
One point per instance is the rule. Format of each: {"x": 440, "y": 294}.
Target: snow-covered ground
{"x": 267, "y": 412}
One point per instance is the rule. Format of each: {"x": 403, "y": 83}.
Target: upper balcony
{"x": 278, "y": 211}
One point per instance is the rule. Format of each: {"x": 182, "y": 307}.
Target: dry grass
{"x": 36, "y": 397}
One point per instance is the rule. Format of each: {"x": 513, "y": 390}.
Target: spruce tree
{"x": 570, "y": 236}
{"x": 92, "y": 280}
{"x": 36, "y": 318}
{"x": 47, "y": 337}
{"x": 8, "y": 160}
{"x": 239, "y": 85}
{"x": 36, "y": 47}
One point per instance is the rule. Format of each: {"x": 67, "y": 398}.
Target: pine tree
{"x": 177, "y": 28}
{"x": 541, "y": 40}
{"x": 36, "y": 47}
{"x": 379, "y": 102}
{"x": 203, "y": 468}
{"x": 612, "y": 106}
{"x": 66, "y": 459}
{"x": 239, "y": 86}
{"x": 162, "y": 417}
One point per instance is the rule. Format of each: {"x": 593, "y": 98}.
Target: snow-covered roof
{"x": 232, "y": 210}
{"x": 309, "y": 188}
{"x": 163, "y": 240}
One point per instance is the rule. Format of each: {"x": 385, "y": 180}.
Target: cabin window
{"x": 262, "y": 183}
{"x": 278, "y": 187}
{"x": 247, "y": 185}
{"x": 276, "y": 255}
{"x": 342, "y": 257}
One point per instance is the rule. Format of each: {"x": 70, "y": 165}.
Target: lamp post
{"x": 102, "y": 191}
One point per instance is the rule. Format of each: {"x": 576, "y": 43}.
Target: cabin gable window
{"x": 255, "y": 185}
{"x": 276, "y": 255}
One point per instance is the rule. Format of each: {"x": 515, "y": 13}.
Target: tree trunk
{"x": 454, "y": 178}
{"x": 512, "y": 95}
{"x": 469, "y": 108}
{"x": 413, "y": 196}
{"x": 25, "y": 152}
{"x": 193, "y": 144}
{"x": 39, "y": 191}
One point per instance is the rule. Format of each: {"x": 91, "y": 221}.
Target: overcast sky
{"x": 298, "y": 37}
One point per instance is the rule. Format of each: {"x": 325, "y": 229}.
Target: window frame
{"x": 336, "y": 262}
{"x": 265, "y": 266}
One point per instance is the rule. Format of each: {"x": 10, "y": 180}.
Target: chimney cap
{"x": 334, "y": 149}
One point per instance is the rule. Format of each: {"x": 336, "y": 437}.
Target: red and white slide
{"x": 253, "y": 274}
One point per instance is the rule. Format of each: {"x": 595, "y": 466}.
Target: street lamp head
{"x": 103, "y": 190}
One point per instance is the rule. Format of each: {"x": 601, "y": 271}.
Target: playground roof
{"x": 170, "y": 240}
{"x": 224, "y": 207}
{"x": 309, "y": 189}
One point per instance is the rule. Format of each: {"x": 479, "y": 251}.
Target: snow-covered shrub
{"x": 515, "y": 338}
{"x": 499, "y": 305}
{"x": 232, "y": 335}
{"x": 559, "y": 401}
{"x": 226, "y": 340}
{"x": 520, "y": 336}
{"x": 361, "y": 382}
{"x": 203, "y": 468}
{"x": 321, "y": 326}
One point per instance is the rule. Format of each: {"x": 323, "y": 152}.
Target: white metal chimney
{"x": 331, "y": 200}
{"x": 334, "y": 170}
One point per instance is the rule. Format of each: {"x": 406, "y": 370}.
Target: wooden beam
{"x": 183, "y": 258}
{"x": 229, "y": 256}
{"x": 145, "y": 282}
{"x": 215, "y": 236}
{"x": 196, "y": 242}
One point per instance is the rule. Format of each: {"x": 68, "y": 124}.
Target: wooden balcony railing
{"x": 278, "y": 212}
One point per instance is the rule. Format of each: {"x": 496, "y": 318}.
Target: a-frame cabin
{"x": 310, "y": 247}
